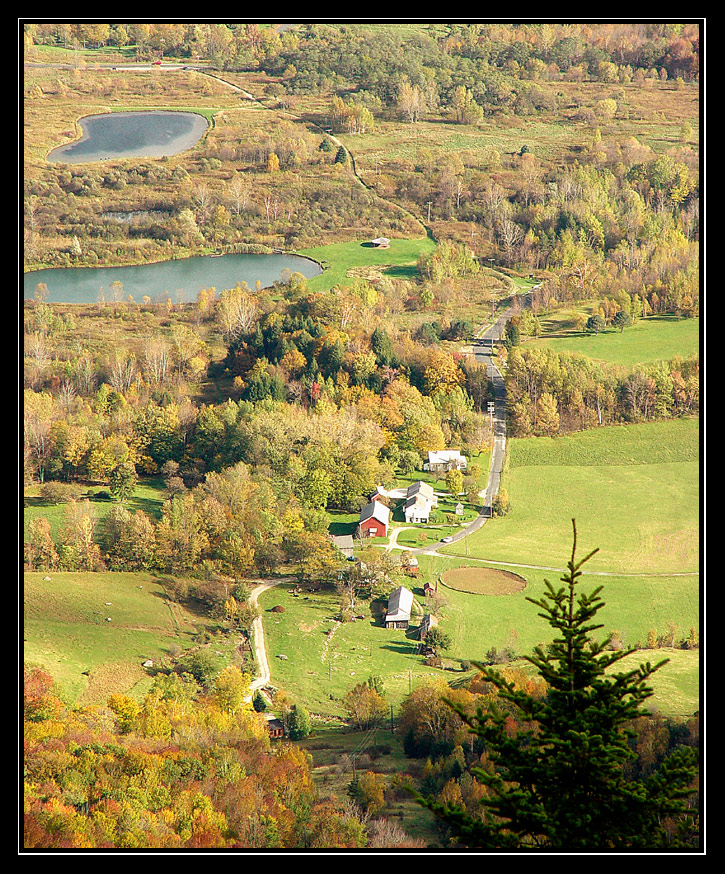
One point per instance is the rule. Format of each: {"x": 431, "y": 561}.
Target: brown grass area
{"x": 483, "y": 581}
{"x": 108, "y": 679}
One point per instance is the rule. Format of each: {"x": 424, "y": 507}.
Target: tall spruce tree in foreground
{"x": 559, "y": 783}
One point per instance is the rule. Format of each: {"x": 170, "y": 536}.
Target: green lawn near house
{"x": 400, "y": 260}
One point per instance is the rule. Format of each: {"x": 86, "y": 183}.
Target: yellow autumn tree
{"x": 442, "y": 373}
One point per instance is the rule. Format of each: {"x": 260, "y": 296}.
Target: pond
{"x": 151, "y": 134}
{"x": 179, "y": 280}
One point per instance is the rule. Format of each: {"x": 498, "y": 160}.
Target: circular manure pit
{"x": 483, "y": 581}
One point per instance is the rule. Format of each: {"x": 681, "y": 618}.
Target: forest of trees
{"x": 313, "y": 54}
{"x": 322, "y": 416}
{"x": 184, "y": 769}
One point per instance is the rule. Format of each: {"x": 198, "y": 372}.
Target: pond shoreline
{"x": 187, "y": 141}
{"x": 27, "y": 273}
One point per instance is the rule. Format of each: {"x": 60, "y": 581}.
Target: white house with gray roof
{"x": 419, "y": 502}
{"x": 441, "y": 461}
{"x": 400, "y": 603}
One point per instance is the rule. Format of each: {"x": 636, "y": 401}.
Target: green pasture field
{"x": 321, "y": 668}
{"x": 634, "y": 491}
{"x": 400, "y": 259}
{"x": 148, "y": 496}
{"x": 633, "y": 605}
{"x": 676, "y": 685}
{"x": 655, "y": 338}
{"x": 66, "y": 632}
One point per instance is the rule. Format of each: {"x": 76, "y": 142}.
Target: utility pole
{"x": 429, "y": 205}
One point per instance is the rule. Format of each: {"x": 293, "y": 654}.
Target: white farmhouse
{"x": 443, "y": 460}
{"x": 400, "y": 603}
{"x": 420, "y": 500}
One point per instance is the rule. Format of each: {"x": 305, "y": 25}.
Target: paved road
{"x": 483, "y": 351}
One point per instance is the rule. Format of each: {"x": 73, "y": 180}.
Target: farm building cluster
{"x": 417, "y": 500}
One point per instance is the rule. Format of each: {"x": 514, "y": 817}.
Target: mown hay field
{"x": 483, "y": 581}
{"x": 633, "y": 489}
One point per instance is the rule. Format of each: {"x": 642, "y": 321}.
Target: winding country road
{"x": 260, "y": 652}
{"x": 483, "y": 345}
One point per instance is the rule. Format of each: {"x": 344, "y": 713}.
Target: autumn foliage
{"x": 105, "y": 777}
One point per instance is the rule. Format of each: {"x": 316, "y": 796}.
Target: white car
{"x": 448, "y": 539}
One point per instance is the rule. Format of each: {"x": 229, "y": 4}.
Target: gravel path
{"x": 260, "y": 653}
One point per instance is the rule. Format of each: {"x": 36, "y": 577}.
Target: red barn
{"x": 374, "y": 519}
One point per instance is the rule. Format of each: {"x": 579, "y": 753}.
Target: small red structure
{"x": 374, "y": 520}
{"x": 412, "y": 569}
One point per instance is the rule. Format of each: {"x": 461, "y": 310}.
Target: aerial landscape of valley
{"x": 360, "y": 451}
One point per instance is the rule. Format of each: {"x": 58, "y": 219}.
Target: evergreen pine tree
{"x": 559, "y": 782}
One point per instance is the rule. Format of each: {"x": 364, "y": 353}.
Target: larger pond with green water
{"x": 179, "y": 280}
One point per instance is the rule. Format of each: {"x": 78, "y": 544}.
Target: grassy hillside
{"x": 66, "y": 631}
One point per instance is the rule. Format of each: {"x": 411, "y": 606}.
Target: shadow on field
{"x": 337, "y": 529}
{"x": 402, "y": 271}
{"x": 402, "y": 648}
